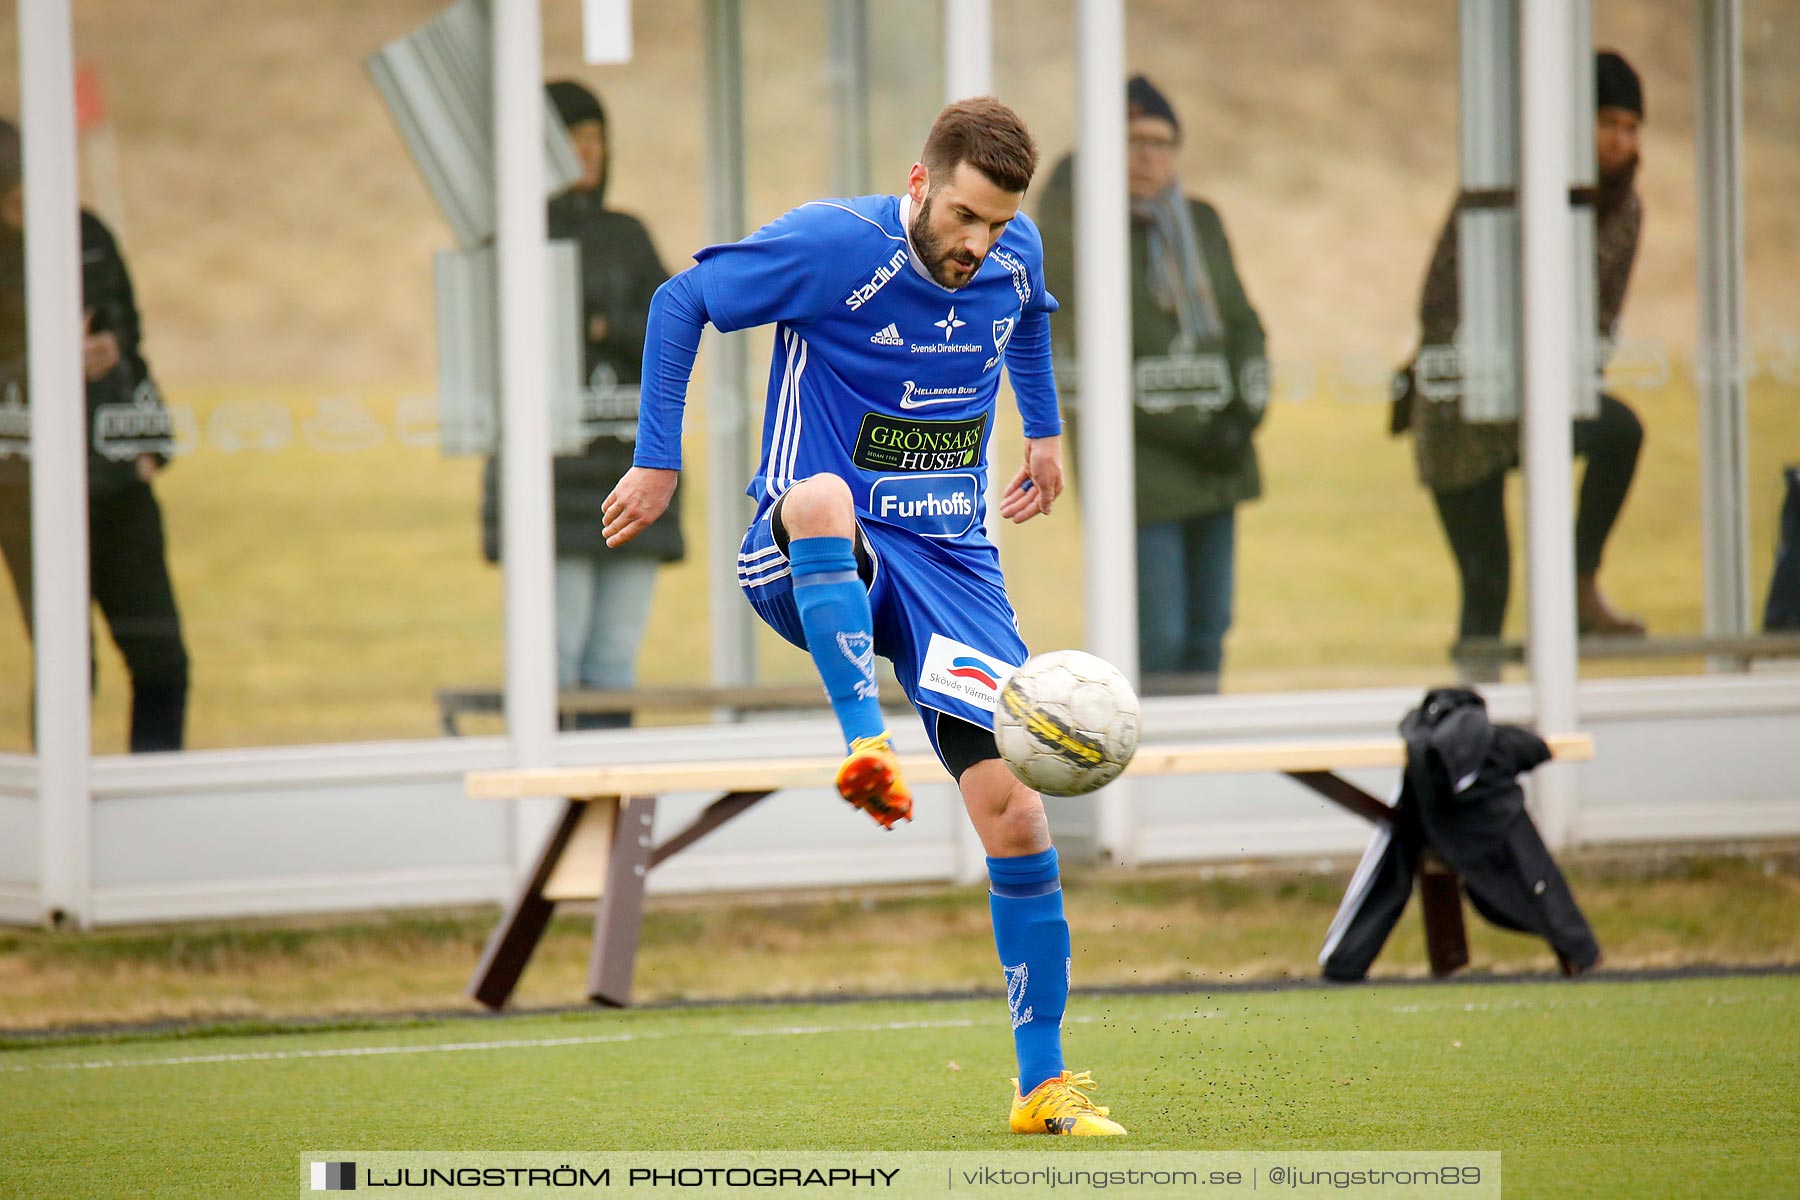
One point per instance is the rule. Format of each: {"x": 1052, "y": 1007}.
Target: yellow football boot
{"x": 1061, "y": 1106}
{"x": 870, "y": 779}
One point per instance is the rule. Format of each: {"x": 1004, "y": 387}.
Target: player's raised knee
{"x": 1008, "y": 816}
{"x": 819, "y": 506}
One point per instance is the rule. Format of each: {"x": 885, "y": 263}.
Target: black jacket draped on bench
{"x": 1460, "y": 798}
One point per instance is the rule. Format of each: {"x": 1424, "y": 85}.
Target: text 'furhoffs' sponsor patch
{"x": 933, "y": 506}
{"x": 886, "y": 443}
{"x": 968, "y": 674}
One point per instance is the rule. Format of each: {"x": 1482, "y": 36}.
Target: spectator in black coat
{"x": 128, "y": 572}
{"x": 602, "y": 596}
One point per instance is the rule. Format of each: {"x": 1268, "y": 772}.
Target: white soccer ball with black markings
{"x": 1066, "y": 723}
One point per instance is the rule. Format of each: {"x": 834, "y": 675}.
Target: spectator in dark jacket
{"x": 128, "y": 571}
{"x": 1201, "y": 391}
{"x": 1464, "y": 463}
{"x": 602, "y": 596}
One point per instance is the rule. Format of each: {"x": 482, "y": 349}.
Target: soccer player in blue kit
{"x": 893, "y": 316}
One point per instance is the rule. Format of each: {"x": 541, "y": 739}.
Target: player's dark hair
{"x": 988, "y": 136}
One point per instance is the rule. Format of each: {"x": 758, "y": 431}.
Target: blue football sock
{"x": 840, "y": 634}
{"x": 1025, "y": 896}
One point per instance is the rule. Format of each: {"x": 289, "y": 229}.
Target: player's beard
{"x": 936, "y": 256}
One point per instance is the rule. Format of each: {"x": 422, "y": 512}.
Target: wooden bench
{"x": 601, "y": 846}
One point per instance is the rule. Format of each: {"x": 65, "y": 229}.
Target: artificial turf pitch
{"x": 1597, "y": 1089}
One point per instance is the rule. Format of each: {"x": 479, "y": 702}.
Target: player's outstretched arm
{"x": 1039, "y": 482}
{"x": 642, "y": 495}
{"x": 672, "y": 338}
{"x": 776, "y": 274}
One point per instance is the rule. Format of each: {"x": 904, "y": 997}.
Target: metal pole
{"x": 59, "y": 433}
{"x": 968, "y": 49}
{"x": 1584, "y": 400}
{"x": 525, "y": 489}
{"x": 1103, "y": 348}
{"x": 1487, "y": 234}
{"x": 727, "y": 406}
{"x": 1719, "y": 250}
{"x": 1546, "y": 105}
{"x": 848, "y": 69}
{"x": 969, "y": 71}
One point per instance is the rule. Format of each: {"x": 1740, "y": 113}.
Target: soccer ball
{"x": 1066, "y": 723}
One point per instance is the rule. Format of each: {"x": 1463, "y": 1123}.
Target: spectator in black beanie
{"x": 602, "y": 596}
{"x": 1464, "y": 463}
{"x": 1619, "y": 113}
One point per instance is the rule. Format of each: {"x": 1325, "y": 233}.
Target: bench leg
{"x": 1440, "y": 892}
{"x": 509, "y": 947}
{"x": 1342, "y": 792}
{"x": 711, "y": 817}
{"x": 621, "y": 910}
{"x": 1440, "y": 899}
{"x": 621, "y": 913}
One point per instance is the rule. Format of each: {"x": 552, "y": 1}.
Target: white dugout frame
{"x": 78, "y": 833}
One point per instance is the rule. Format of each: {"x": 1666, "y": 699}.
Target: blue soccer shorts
{"x": 941, "y": 613}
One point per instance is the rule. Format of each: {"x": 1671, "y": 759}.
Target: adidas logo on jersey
{"x": 889, "y": 337}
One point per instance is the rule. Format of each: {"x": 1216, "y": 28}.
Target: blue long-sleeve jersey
{"x": 880, "y": 375}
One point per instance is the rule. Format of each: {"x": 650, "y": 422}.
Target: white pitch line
{"x": 338, "y": 1052}
{"x": 1589, "y": 1002}
{"x": 510, "y": 1044}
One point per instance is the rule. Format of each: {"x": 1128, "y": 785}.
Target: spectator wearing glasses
{"x": 1201, "y": 389}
